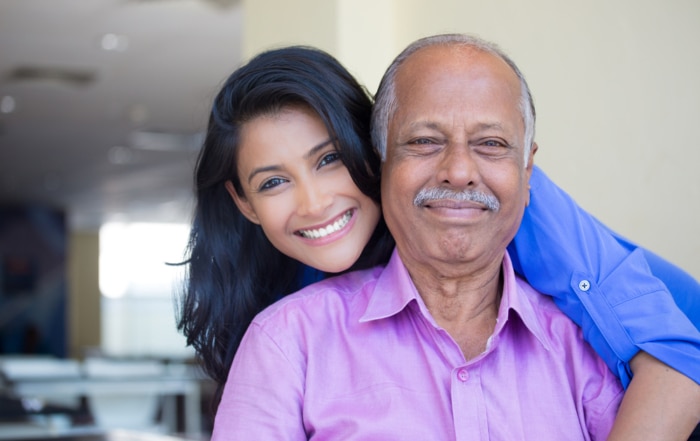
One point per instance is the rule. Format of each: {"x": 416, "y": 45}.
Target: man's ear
{"x": 242, "y": 203}
{"x": 531, "y": 158}
{"x": 528, "y": 169}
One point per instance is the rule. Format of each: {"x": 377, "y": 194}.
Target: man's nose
{"x": 312, "y": 199}
{"x": 457, "y": 166}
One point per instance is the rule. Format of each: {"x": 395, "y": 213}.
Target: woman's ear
{"x": 242, "y": 203}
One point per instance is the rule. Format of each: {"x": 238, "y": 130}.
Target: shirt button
{"x": 584, "y": 285}
{"x": 463, "y": 375}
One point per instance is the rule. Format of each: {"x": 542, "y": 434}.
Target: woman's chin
{"x": 331, "y": 264}
{"x": 334, "y": 268}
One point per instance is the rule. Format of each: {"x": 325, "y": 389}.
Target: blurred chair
{"x": 43, "y": 395}
{"x": 44, "y": 411}
{"x": 128, "y": 392}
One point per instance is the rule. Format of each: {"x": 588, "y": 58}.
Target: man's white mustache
{"x": 434, "y": 194}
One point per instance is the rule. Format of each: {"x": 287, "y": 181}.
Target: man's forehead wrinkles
{"x": 422, "y": 124}
{"x": 455, "y": 122}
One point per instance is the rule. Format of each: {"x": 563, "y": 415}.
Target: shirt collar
{"x": 515, "y": 299}
{"x": 394, "y": 290}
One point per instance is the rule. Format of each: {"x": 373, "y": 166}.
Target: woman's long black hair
{"x": 233, "y": 271}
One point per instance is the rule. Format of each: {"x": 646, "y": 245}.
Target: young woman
{"x": 272, "y": 216}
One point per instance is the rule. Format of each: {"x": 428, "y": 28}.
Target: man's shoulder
{"x": 543, "y": 303}
{"x": 558, "y": 328}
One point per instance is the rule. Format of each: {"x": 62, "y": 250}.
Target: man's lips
{"x": 454, "y": 205}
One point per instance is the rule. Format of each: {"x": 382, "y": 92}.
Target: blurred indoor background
{"x": 102, "y": 108}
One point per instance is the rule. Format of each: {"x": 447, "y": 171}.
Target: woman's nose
{"x": 312, "y": 199}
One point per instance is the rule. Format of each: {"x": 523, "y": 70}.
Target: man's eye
{"x": 422, "y": 141}
{"x": 329, "y": 158}
{"x": 495, "y": 148}
{"x": 271, "y": 183}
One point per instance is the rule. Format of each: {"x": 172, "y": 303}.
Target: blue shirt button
{"x": 584, "y": 285}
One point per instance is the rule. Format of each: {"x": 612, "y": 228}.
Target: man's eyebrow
{"x": 312, "y": 151}
{"x": 489, "y": 126}
{"x": 424, "y": 124}
{"x": 428, "y": 124}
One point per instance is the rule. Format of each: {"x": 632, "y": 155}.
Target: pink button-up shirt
{"x": 359, "y": 357}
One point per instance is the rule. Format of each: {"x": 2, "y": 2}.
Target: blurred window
{"x": 139, "y": 289}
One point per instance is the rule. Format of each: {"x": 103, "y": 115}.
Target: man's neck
{"x": 465, "y": 304}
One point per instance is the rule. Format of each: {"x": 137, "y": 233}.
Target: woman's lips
{"x": 330, "y": 228}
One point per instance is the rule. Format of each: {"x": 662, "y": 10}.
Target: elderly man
{"x": 454, "y": 122}
{"x": 455, "y": 182}
{"x": 445, "y": 342}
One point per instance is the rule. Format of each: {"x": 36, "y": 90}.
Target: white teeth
{"x": 325, "y": 231}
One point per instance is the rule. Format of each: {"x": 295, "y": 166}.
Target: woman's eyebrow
{"x": 267, "y": 168}
{"x": 312, "y": 151}
{"x": 315, "y": 149}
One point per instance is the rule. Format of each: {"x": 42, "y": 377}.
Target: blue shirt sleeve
{"x": 619, "y": 293}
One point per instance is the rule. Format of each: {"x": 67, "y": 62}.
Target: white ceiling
{"x": 103, "y": 102}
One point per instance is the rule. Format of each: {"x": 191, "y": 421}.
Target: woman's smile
{"x": 328, "y": 229}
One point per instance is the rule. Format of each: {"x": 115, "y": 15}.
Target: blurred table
{"x": 169, "y": 391}
{"x": 186, "y": 388}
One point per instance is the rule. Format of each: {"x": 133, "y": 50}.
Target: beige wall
{"x": 84, "y": 292}
{"x": 615, "y": 85}
{"x": 360, "y": 33}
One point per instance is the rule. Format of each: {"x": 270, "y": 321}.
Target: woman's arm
{"x": 604, "y": 283}
{"x": 671, "y": 415}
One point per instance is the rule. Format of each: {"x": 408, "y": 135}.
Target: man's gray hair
{"x": 385, "y": 101}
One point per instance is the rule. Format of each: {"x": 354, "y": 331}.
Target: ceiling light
{"x": 114, "y": 42}
{"x": 165, "y": 141}
{"x": 120, "y": 155}
{"x": 138, "y": 114}
{"x": 7, "y": 104}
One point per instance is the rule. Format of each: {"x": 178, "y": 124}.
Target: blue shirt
{"x": 624, "y": 297}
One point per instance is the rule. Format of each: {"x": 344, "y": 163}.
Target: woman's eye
{"x": 329, "y": 158}
{"x": 271, "y": 183}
